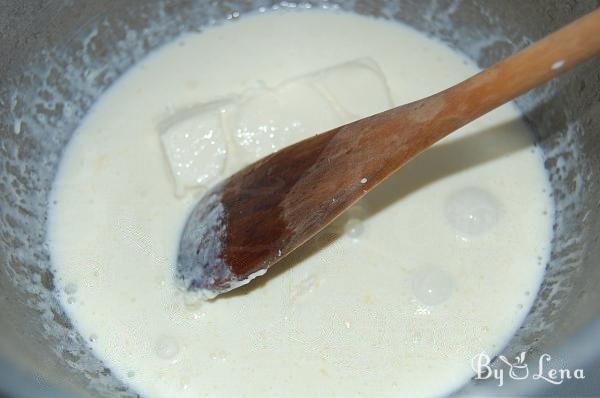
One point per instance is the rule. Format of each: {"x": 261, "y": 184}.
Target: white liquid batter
{"x": 436, "y": 265}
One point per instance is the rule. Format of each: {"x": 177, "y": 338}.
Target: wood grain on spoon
{"x": 257, "y": 216}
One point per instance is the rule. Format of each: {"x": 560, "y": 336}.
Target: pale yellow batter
{"x": 436, "y": 265}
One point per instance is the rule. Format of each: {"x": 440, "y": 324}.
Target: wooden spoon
{"x": 259, "y": 215}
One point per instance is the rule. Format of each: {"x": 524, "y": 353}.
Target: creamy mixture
{"x": 439, "y": 263}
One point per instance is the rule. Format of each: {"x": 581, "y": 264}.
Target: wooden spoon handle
{"x": 403, "y": 132}
{"x": 515, "y": 75}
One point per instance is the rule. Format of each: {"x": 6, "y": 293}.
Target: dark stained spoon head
{"x": 257, "y": 216}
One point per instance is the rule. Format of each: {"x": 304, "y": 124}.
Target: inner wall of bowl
{"x": 63, "y": 55}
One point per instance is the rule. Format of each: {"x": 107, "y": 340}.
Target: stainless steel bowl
{"x": 58, "y": 56}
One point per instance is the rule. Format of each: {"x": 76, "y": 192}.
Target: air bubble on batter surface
{"x": 166, "y": 347}
{"x": 431, "y": 285}
{"x": 351, "y": 222}
{"x": 354, "y": 228}
{"x": 472, "y": 212}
